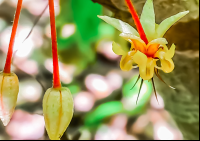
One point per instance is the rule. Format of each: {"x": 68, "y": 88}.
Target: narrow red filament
{"x": 7, "y": 67}
{"x": 137, "y": 21}
{"x": 56, "y": 76}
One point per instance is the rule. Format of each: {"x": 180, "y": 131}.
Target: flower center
{"x": 149, "y": 50}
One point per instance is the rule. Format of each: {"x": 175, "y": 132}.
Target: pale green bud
{"x": 9, "y": 89}
{"x": 58, "y": 110}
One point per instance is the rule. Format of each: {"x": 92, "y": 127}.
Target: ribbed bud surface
{"x": 9, "y": 89}
{"x": 58, "y": 110}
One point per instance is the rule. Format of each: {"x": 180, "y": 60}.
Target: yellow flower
{"x": 144, "y": 55}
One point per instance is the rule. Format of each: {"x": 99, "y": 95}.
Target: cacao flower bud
{"x": 9, "y": 89}
{"x": 58, "y": 111}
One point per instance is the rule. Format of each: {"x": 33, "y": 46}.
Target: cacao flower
{"x": 145, "y": 54}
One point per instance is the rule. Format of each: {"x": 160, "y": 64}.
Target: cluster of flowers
{"x": 147, "y": 47}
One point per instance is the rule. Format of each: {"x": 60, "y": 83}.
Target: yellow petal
{"x": 146, "y": 65}
{"x": 171, "y": 52}
{"x": 161, "y": 41}
{"x": 126, "y": 63}
{"x": 161, "y": 53}
{"x": 117, "y": 49}
{"x": 167, "y": 65}
{"x": 165, "y": 48}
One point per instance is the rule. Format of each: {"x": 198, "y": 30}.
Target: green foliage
{"x": 103, "y": 111}
{"x": 77, "y": 49}
{"x": 85, "y": 17}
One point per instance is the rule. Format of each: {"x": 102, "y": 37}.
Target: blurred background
{"x": 105, "y": 105}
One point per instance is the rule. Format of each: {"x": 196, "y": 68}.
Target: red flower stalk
{"x": 58, "y": 106}
{"x": 7, "y": 67}
{"x": 137, "y": 21}
{"x": 56, "y": 77}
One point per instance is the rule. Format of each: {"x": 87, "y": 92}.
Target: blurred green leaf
{"x": 106, "y": 30}
{"x": 103, "y": 111}
{"x": 77, "y": 49}
{"x": 85, "y": 16}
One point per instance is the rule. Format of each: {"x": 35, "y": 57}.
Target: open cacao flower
{"x": 58, "y": 106}
{"x": 145, "y": 51}
{"x": 147, "y": 43}
{"x": 9, "y": 83}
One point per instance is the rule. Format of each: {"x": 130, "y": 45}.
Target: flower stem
{"x": 56, "y": 76}
{"x": 137, "y": 21}
{"x": 7, "y": 67}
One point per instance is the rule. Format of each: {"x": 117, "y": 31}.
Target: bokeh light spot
{"x": 68, "y": 30}
{"x": 84, "y": 101}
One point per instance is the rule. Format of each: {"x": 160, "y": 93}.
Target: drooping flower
{"x": 58, "y": 106}
{"x": 147, "y": 44}
{"x": 9, "y": 83}
{"x": 9, "y": 88}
